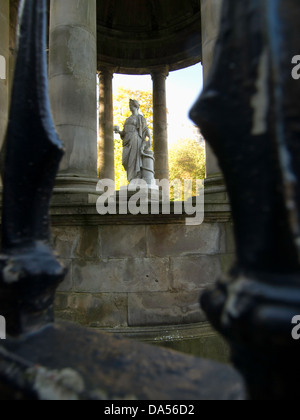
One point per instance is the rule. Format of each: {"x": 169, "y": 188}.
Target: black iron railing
{"x": 250, "y": 114}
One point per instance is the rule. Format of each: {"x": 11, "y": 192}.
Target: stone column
{"x": 73, "y": 89}
{"x": 13, "y": 18}
{"x": 210, "y": 15}
{"x": 160, "y": 124}
{"x": 106, "y": 121}
{"x": 4, "y": 67}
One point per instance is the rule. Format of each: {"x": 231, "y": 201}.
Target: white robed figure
{"x": 134, "y": 138}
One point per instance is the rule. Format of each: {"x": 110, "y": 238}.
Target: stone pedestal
{"x": 106, "y": 134}
{"x": 145, "y": 187}
{"x": 148, "y": 173}
{"x": 73, "y": 87}
{"x": 160, "y": 124}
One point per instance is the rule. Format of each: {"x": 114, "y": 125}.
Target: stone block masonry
{"x": 142, "y": 275}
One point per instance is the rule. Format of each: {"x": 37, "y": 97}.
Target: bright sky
{"x": 183, "y": 88}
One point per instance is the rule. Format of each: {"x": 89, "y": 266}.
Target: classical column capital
{"x": 106, "y": 71}
{"x": 159, "y": 72}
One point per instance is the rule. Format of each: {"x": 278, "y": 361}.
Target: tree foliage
{"x": 187, "y": 161}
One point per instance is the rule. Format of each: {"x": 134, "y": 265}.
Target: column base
{"x": 75, "y": 190}
{"x": 216, "y": 199}
{"x": 215, "y": 185}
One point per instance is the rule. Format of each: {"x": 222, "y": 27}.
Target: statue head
{"x": 134, "y": 104}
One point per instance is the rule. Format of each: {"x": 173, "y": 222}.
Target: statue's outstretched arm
{"x": 117, "y": 131}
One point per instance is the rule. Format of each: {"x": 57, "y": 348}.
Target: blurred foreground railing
{"x": 249, "y": 112}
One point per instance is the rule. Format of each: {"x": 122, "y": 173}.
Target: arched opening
{"x": 126, "y": 87}
{"x": 186, "y": 145}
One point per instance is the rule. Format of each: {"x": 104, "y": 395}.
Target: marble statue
{"x": 135, "y": 143}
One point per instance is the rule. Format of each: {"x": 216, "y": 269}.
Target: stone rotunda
{"x": 140, "y": 275}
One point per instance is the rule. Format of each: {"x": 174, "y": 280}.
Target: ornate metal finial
{"x": 30, "y": 272}
{"x": 250, "y": 115}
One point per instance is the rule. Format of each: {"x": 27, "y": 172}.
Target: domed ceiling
{"x": 135, "y": 36}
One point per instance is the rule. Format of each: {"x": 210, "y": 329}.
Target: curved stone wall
{"x": 128, "y": 275}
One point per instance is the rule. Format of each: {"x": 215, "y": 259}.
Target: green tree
{"x": 186, "y": 161}
{"x": 121, "y": 113}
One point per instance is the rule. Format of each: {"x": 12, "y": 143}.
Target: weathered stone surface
{"x": 4, "y": 57}
{"x": 76, "y": 196}
{"x": 65, "y": 240}
{"x": 61, "y": 301}
{"x": 164, "y": 309}
{"x": 173, "y": 240}
{"x": 230, "y": 240}
{"x": 80, "y": 157}
{"x": 123, "y": 241}
{"x": 112, "y": 368}
{"x": 69, "y": 112}
{"x": 93, "y": 310}
{"x": 89, "y": 244}
{"x": 77, "y": 242}
{"x": 158, "y": 286}
{"x": 197, "y": 339}
{"x": 227, "y": 262}
{"x": 216, "y": 198}
{"x": 82, "y": 15}
{"x": 72, "y": 83}
{"x": 195, "y": 273}
{"x": 67, "y": 284}
{"x": 127, "y": 275}
{"x": 126, "y": 269}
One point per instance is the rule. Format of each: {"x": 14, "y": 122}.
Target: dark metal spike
{"x": 33, "y": 149}
{"x": 29, "y": 270}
